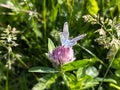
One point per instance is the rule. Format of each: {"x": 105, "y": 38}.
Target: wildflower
{"x": 64, "y": 53}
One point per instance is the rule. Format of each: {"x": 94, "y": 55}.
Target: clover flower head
{"x": 62, "y": 55}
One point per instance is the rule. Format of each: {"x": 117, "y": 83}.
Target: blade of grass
{"x": 91, "y": 53}
{"x": 26, "y": 66}
{"x": 115, "y": 86}
{"x": 108, "y": 69}
{"x": 44, "y": 17}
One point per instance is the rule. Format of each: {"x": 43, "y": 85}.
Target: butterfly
{"x": 64, "y": 37}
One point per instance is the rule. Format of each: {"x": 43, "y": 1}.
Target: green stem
{"x": 115, "y": 86}
{"x": 91, "y": 54}
{"x": 65, "y": 80}
{"x": 6, "y": 84}
{"x": 9, "y": 67}
{"x": 44, "y": 17}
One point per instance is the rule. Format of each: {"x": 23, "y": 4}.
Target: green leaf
{"x": 75, "y": 65}
{"x": 80, "y": 73}
{"x": 89, "y": 84}
{"x": 43, "y": 70}
{"x": 71, "y": 80}
{"x": 117, "y": 73}
{"x": 51, "y": 45}
{"x": 107, "y": 80}
{"x": 116, "y": 63}
{"x": 45, "y": 82}
{"x": 54, "y": 12}
{"x": 92, "y": 7}
{"x": 92, "y": 71}
{"x": 70, "y": 77}
{"x": 35, "y": 28}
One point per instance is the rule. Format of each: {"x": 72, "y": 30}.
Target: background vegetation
{"x": 26, "y": 25}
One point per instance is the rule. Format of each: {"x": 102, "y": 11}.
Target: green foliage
{"x": 92, "y": 71}
{"x": 43, "y": 70}
{"x": 51, "y": 45}
{"x": 45, "y": 82}
{"x": 117, "y": 72}
{"x": 92, "y": 7}
{"x": 28, "y": 29}
{"x": 75, "y": 65}
{"x": 2, "y": 74}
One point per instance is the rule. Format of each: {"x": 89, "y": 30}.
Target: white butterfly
{"x": 64, "y": 37}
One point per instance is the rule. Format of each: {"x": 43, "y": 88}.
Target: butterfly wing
{"x": 62, "y": 38}
{"x": 78, "y": 38}
{"x": 66, "y": 31}
{"x": 65, "y": 34}
{"x": 74, "y": 40}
